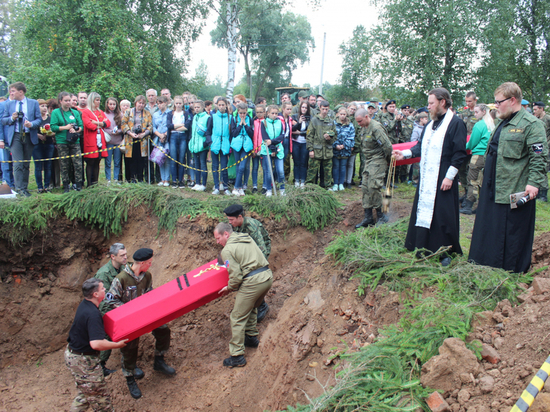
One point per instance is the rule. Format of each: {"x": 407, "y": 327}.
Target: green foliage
{"x": 108, "y": 207}
{"x": 356, "y": 57}
{"x": 116, "y": 48}
{"x": 438, "y": 303}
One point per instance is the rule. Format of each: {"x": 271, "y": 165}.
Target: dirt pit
{"x": 314, "y": 313}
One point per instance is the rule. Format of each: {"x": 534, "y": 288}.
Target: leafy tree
{"x": 109, "y": 46}
{"x": 7, "y": 36}
{"x": 356, "y": 57}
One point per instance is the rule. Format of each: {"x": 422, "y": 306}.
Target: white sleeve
{"x": 451, "y": 172}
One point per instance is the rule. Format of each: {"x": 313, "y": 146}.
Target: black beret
{"x": 143, "y": 254}
{"x": 389, "y": 102}
{"x": 406, "y": 106}
{"x": 422, "y": 110}
{"x": 234, "y": 210}
{"x": 540, "y": 104}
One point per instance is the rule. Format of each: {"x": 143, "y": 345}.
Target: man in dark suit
{"x": 21, "y": 119}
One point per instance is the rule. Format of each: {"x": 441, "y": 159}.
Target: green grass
{"x": 438, "y": 303}
{"x": 107, "y": 207}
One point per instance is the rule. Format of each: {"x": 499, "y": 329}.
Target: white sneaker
{"x": 196, "y": 187}
{"x": 227, "y": 192}
{"x": 215, "y": 192}
{"x": 245, "y": 187}
{"x": 235, "y": 192}
{"x": 160, "y": 184}
{"x": 221, "y": 187}
{"x": 334, "y": 188}
{"x": 341, "y": 187}
{"x": 297, "y": 184}
{"x": 166, "y": 184}
{"x": 201, "y": 188}
{"x": 302, "y": 184}
{"x": 241, "y": 192}
{"x": 268, "y": 193}
{"x": 282, "y": 192}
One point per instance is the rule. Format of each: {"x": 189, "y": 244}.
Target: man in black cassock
{"x": 442, "y": 147}
{"x": 515, "y": 162}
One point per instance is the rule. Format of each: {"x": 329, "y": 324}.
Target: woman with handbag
{"x": 94, "y": 138}
{"x": 67, "y": 126}
{"x": 161, "y": 142}
{"x": 137, "y": 124}
{"x": 113, "y": 137}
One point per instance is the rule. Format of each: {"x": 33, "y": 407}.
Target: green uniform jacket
{"x": 357, "y": 146}
{"x": 518, "y": 163}
{"x": 57, "y": 120}
{"x": 117, "y": 297}
{"x": 546, "y": 120}
{"x": 407, "y": 126}
{"x": 315, "y": 140}
{"x": 375, "y": 143}
{"x": 106, "y": 274}
{"x": 257, "y": 232}
{"x": 390, "y": 125}
{"x": 469, "y": 119}
{"x": 244, "y": 256}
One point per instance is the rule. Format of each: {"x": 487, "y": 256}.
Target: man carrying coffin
{"x": 442, "y": 146}
{"x": 133, "y": 281}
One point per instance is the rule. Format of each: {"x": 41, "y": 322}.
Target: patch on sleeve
{"x": 537, "y": 148}
{"x": 109, "y": 296}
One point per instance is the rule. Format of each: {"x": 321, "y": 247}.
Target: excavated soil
{"x": 315, "y": 312}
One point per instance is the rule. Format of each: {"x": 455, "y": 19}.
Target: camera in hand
{"x": 75, "y": 127}
{"x": 137, "y": 129}
{"x": 522, "y": 201}
{"x": 20, "y": 115}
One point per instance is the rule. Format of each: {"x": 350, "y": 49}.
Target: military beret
{"x": 303, "y": 93}
{"x": 143, "y": 254}
{"x": 371, "y": 105}
{"x": 422, "y": 110}
{"x": 389, "y": 102}
{"x": 406, "y": 106}
{"x": 540, "y": 104}
{"x": 524, "y": 102}
{"x": 234, "y": 210}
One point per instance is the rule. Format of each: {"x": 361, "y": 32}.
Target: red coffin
{"x": 165, "y": 303}
{"x": 409, "y": 145}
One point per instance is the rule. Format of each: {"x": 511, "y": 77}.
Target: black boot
{"x": 79, "y": 186}
{"x": 234, "y": 361}
{"x": 467, "y": 209}
{"x": 66, "y": 188}
{"x": 382, "y": 218}
{"x": 262, "y": 312}
{"x": 461, "y": 199}
{"x": 251, "y": 341}
{"x": 106, "y": 371}
{"x": 543, "y": 195}
{"x": 138, "y": 374}
{"x": 367, "y": 221}
{"x": 161, "y": 366}
{"x": 133, "y": 387}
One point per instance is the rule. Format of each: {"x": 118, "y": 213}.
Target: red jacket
{"x": 257, "y": 138}
{"x": 90, "y": 132}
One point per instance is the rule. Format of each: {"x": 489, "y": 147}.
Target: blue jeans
{"x": 42, "y": 151}
{"x": 7, "y": 168}
{"x": 116, "y": 155}
{"x": 241, "y": 168}
{"x": 339, "y": 169}
{"x": 200, "y": 163}
{"x": 278, "y": 165}
{"x": 255, "y": 167}
{"x": 219, "y": 161}
{"x": 351, "y": 168}
{"x": 189, "y": 161}
{"x": 300, "y": 156}
{"x": 165, "y": 168}
{"x": 178, "y": 149}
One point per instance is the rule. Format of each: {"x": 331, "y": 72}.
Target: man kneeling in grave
{"x": 133, "y": 281}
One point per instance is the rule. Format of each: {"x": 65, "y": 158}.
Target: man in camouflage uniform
{"x": 255, "y": 229}
{"x": 133, "y": 281}
{"x": 391, "y": 121}
{"x": 106, "y": 274}
{"x": 538, "y": 111}
{"x": 86, "y": 339}
{"x": 321, "y": 134}
{"x": 376, "y": 149}
{"x": 407, "y": 125}
{"x": 470, "y": 120}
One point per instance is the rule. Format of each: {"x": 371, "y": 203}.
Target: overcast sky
{"x": 337, "y": 18}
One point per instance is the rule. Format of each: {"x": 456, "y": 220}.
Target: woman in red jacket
{"x": 94, "y": 121}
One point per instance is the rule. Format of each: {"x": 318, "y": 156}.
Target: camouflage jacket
{"x": 315, "y": 140}
{"x": 120, "y": 291}
{"x": 407, "y": 126}
{"x": 546, "y": 120}
{"x": 374, "y": 142}
{"x": 106, "y": 274}
{"x": 257, "y": 232}
{"x": 391, "y": 126}
{"x": 469, "y": 119}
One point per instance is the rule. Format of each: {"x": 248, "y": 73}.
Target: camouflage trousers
{"x": 463, "y": 173}
{"x": 90, "y": 383}
{"x": 544, "y": 185}
{"x": 313, "y": 170}
{"x": 130, "y": 351}
{"x": 475, "y": 176}
{"x": 70, "y": 150}
{"x": 373, "y": 180}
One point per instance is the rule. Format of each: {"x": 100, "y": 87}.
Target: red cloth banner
{"x": 165, "y": 303}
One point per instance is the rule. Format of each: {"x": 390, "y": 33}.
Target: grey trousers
{"x": 21, "y": 151}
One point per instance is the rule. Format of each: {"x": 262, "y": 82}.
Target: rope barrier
{"x": 535, "y": 386}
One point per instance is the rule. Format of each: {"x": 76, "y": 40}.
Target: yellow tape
{"x": 537, "y": 383}
{"x": 546, "y": 367}
{"x": 528, "y": 398}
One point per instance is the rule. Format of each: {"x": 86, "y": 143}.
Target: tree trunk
{"x": 231, "y": 46}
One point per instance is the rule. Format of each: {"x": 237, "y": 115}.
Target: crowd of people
{"x": 171, "y": 141}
